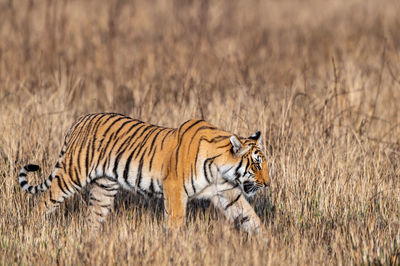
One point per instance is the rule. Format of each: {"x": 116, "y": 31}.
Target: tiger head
{"x": 248, "y": 165}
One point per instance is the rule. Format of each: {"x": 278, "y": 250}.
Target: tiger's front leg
{"x": 175, "y": 201}
{"x": 238, "y": 211}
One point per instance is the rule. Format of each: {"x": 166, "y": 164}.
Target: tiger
{"x": 197, "y": 160}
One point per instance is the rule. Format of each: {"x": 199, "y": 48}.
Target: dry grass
{"x": 321, "y": 79}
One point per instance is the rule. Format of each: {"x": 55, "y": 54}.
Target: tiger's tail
{"x": 23, "y": 182}
{"x": 45, "y": 185}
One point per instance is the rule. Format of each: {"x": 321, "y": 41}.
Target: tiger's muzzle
{"x": 251, "y": 187}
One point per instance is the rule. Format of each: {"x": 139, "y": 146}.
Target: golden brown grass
{"x": 321, "y": 79}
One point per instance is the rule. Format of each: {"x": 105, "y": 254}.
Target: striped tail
{"x": 23, "y": 182}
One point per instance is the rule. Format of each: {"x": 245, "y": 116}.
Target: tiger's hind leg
{"x": 62, "y": 187}
{"x": 101, "y": 200}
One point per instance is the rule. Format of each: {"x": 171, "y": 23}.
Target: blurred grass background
{"x": 320, "y": 79}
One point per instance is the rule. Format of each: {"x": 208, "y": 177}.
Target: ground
{"x": 320, "y": 79}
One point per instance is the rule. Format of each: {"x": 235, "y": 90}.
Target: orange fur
{"x": 196, "y": 160}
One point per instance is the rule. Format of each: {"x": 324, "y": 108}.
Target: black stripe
{"x": 154, "y": 139}
{"x": 76, "y": 169}
{"x": 112, "y": 124}
{"x": 131, "y": 137}
{"x": 75, "y": 135}
{"x": 76, "y": 150}
{"x": 75, "y": 145}
{"x": 99, "y": 184}
{"x": 237, "y": 175}
{"x": 224, "y": 146}
{"x": 205, "y": 171}
{"x": 89, "y": 138}
{"x": 209, "y": 161}
{"x": 233, "y": 201}
{"x": 87, "y": 155}
{"x": 109, "y": 128}
{"x": 165, "y": 136}
{"x": 181, "y": 126}
{"x": 247, "y": 166}
{"x": 244, "y": 219}
{"x": 108, "y": 161}
{"x": 114, "y": 136}
{"x": 68, "y": 186}
{"x": 22, "y": 174}
{"x": 139, "y": 173}
{"x": 218, "y": 139}
{"x": 102, "y": 152}
{"x": 184, "y": 187}
{"x": 71, "y": 175}
{"x": 99, "y": 214}
{"x": 191, "y": 176}
{"x": 76, "y": 183}
{"x": 151, "y": 159}
{"x": 144, "y": 142}
{"x": 227, "y": 170}
{"x": 31, "y": 167}
{"x": 119, "y": 154}
{"x": 110, "y": 189}
{"x": 201, "y": 139}
{"x": 159, "y": 185}
{"x": 195, "y": 160}
{"x": 139, "y": 142}
{"x": 93, "y": 142}
{"x": 151, "y": 187}
{"x": 198, "y": 149}
{"x": 55, "y": 201}
{"x": 93, "y": 198}
{"x": 189, "y": 127}
{"x": 198, "y": 130}
{"x": 180, "y": 136}
{"x": 50, "y": 196}
{"x": 59, "y": 184}
{"x": 23, "y": 183}
{"x": 127, "y": 165}
{"x": 105, "y": 187}
{"x": 209, "y": 168}
{"x": 123, "y": 125}
{"x": 153, "y": 146}
{"x": 128, "y": 138}
{"x": 240, "y": 220}
{"x": 214, "y": 139}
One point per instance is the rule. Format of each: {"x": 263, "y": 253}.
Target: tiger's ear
{"x": 237, "y": 147}
{"x": 258, "y": 138}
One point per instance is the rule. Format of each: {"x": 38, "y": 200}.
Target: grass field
{"x": 320, "y": 79}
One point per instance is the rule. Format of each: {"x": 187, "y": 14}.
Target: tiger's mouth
{"x": 250, "y": 187}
